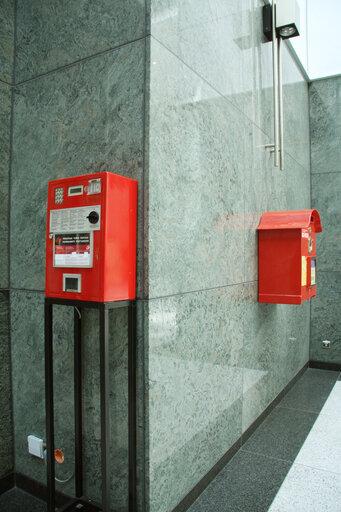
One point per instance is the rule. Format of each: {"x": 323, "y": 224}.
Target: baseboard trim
{"x": 38, "y": 489}
{"x": 195, "y": 492}
{"x": 6, "y": 482}
{"x": 323, "y": 365}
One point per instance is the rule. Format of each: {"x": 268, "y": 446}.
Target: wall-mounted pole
{"x": 275, "y": 82}
{"x": 281, "y": 115}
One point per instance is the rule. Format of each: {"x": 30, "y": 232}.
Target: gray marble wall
{"x": 215, "y": 358}
{"x": 79, "y": 97}
{"x": 176, "y": 94}
{"x": 325, "y": 114}
{"x": 6, "y": 79}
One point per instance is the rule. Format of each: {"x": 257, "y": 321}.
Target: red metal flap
{"x": 294, "y": 219}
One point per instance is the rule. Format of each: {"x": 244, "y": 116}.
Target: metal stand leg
{"x": 78, "y": 402}
{"x": 132, "y": 404}
{"x": 105, "y": 413}
{"x": 49, "y": 407}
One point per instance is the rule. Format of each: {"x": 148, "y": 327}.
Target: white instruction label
{"x": 74, "y": 220}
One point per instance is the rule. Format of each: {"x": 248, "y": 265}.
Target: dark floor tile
{"x": 282, "y": 433}
{"x": 17, "y": 500}
{"x": 248, "y": 483}
{"x": 310, "y": 391}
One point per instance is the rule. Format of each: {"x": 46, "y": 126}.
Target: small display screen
{"x": 76, "y": 191}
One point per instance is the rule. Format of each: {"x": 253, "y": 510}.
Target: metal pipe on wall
{"x": 281, "y": 111}
{"x": 275, "y": 83}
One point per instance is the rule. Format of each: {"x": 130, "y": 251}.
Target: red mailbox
{"x": 91, "y": 238}
{"x": 287, "y": 256}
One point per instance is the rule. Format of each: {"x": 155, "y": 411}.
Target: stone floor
{"x": 16, "y": 500}
{"x": 292, "y": 462}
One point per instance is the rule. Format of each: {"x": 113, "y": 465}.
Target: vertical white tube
{"x": 275, "y": 82}
{"x": 280, "y": 93}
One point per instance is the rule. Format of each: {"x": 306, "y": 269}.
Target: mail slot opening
{"x": 72, "y": 283}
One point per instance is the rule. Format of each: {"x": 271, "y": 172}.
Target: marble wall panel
{"x": 326, "y": 191}
{"x": 197, "y": 162}
{"x": 6, "y": 427}
{"x": 195, "y": 353}
{"x": 7, "y": 40}
{"x": 325, "y": 118}
{"x": 82, "y": 119}
{"x": 5, "y": 136}
{"x": 325, "y": 114}
{"x": 53, "y": 34}
{"x": 295, "y": 112}
{"x": 325, "y": 314}
{"x": 224, "y": 43}
{"x": 27, "y": 310}
{"x": 214, "y": 39}
{"x": 28, "y": 377}
{"x": 276, "y": 347}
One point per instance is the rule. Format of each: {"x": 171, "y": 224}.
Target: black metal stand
{"x": 104, "y": 308}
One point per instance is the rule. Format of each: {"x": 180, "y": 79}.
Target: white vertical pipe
{"x": 275, "y": 82}
{"x": 280, "y": 94}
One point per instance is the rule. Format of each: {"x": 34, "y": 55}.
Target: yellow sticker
{"x": 304, "y": 271}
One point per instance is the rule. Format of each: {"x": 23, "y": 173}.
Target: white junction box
{"x": 35, "y": 446}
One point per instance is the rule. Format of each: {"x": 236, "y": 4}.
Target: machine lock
{"x": 93, "y": 217}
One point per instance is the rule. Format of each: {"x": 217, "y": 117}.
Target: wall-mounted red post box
{"x": 287, "y": 256}
{"x": 91, "y": 238}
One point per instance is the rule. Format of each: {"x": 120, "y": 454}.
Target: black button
{"x": 93, "y": 217}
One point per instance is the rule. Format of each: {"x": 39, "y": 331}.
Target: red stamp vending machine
{"x": 287, "y": 256}
{"x": 91, "y": 238}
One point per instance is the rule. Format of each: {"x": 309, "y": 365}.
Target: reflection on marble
{"x": 27, "y": 309}
{"x": 295, "y": 111}
{"x": 5, "y": 135}
{"x": 306, "y": 488}
{"x": 276, "y": 347}
{"x": 28, "y": 380}
{"x": 326, "y": 190}
{"x": 7, "y": 40}
{"x": 83, "y": 119}
{"x": 224, "y": 44}
{"x": 53, "y": 34}
{"x": 197, "y": 151}
{"x": 268, "y": 189}
{"x": 325, "y": 118}
{"x": 215, "y": 40}
{"x": 325, "y": 318}
{"x": 118, "y": 407}
{"x": 6, "y": 432}
{"x": 194, "y": 387}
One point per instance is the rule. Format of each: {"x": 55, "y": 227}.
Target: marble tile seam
{"x": 10, "y": 174}
{"x": 317, "y": 468}
{"x": 329, "y": 271}
{"x": 245, "y": 117}
{"x": 6, "y": 83}
{"x": 314, "y": 80}
{"x": 147, "y": 299}
{"x": 258, "y": 454}
{"x": 297, "y": 408}
{"x": 80, "y": 61}
{"x": 144, "y": 159}
{"x": 324, "y": 173}
{"x": 12, "y": 289}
